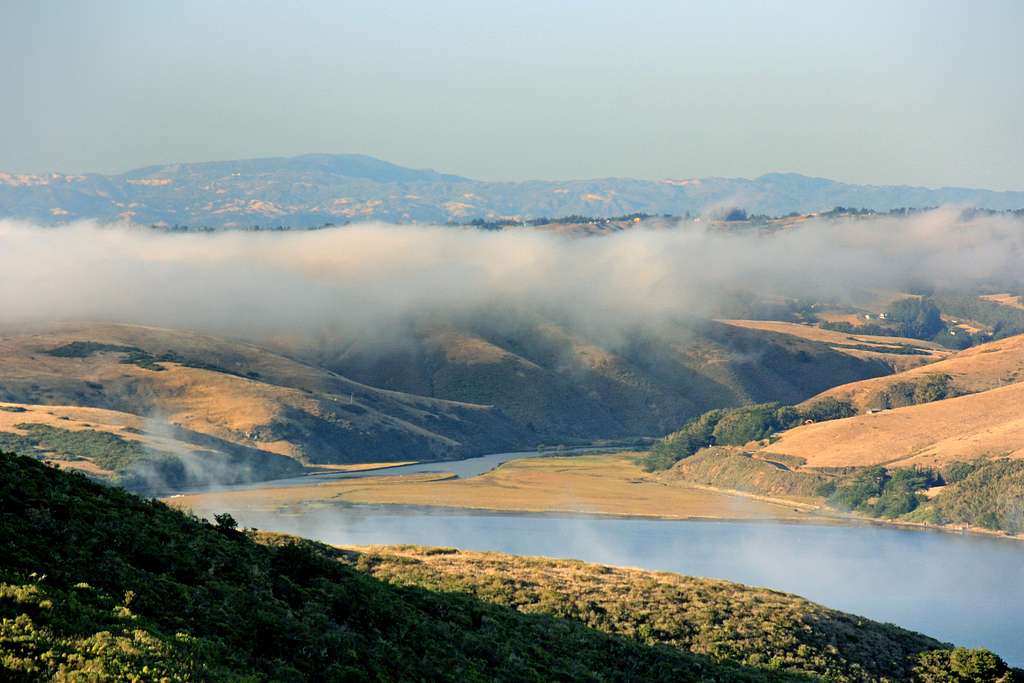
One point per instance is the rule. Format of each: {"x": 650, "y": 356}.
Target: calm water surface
{"x": 963, "y": 589}
{"x": 468, "y": 467}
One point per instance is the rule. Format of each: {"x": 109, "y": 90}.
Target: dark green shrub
{"x": 962, "y": 665}
{"x": 828, "y": 408}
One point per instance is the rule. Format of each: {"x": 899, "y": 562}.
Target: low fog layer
{"x": 365, "y": 279}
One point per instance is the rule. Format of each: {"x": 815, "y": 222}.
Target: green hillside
{"x": 97, "y": 584}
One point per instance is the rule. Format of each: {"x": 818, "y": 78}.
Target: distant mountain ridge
{"x": 314, "y": 189}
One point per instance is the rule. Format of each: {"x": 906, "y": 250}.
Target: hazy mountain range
{"x": 315, "y": 189}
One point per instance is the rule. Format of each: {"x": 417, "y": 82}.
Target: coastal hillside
{"x": 561, "y": 383}
{"x": 98, "y": 583}
{"x": 900, "y": 353}
{"x": 962, "y": 428}
{"x": 220, "y": 393}
{"x": 451, "y": 391}
{"x": 979, "y": 368}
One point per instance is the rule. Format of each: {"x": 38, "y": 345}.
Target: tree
{"x": 225, "y": 522}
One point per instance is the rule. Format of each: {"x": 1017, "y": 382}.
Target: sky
{"x": 911, "y": 92}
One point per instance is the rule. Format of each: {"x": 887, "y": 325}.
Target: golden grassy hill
{"x": 979, "y": 368}
{"x": 14, "y": 417}
{"x": 985, "y": 424}
{"x": 901, "y": 353}
{"x": 229, "y": 392}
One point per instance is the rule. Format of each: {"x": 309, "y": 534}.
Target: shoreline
{"x": 345, "y": 493}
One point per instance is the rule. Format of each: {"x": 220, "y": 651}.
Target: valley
{"x": 523, "y": 342}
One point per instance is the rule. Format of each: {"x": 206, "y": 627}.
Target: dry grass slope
{"x": 986, "y": 424}
{"x": 852, "y": 344}
{"x": 239, "y": 393}
{"x": 982, "y": 367}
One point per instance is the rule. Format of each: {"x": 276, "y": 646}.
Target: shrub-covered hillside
{"x": 98, "y": 584}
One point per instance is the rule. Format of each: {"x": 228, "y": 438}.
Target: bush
{"x": 958, "y": 471}
{"x": 883, "y": 493}
{"x": 931, "y": 388}
{"x": 695, "y": 434}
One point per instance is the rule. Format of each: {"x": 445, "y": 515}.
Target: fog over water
{"x": 963, "y": 589}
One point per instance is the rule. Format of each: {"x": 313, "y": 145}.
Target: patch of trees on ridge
{"x": 921, "y": 318}
{"x": 141, "y": 358}
{"x": 933, "y": 387}
{"x": 737, "y": 426}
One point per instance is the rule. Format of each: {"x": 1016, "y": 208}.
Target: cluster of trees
{"x": 985, "y": 493}
{"x": 934, "y": 387}
{"x": 880, "y": 492}
{"x": 746, "y": 305}
{"x": 737, "y": 426}
{"x": 1005, "y": 321}
{"x": 921, "y": 318}
{"x": 106, "y": 449}
{"x": 872, "y": 329}
{"x": 917, "y": 318}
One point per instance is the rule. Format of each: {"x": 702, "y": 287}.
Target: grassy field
{"x": 593, "y": 484}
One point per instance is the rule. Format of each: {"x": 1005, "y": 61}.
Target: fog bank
{"x": 366, "y": 279}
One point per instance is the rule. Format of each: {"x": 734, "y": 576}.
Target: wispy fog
{"x": 367, "y": 278}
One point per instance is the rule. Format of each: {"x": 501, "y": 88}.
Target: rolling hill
{"x": 562, "y": 384}
{"x": 98, "y": 584}
{"x": 231, "y": 410}
{"x": 901, "y": 353}
{"x": 980, "y": 418}
{"x": 979, "y": 368}
{"x": 314, "y": 189}
{"x": 983, "y": 425}
{"x": 233, "y": 396}
{"x": 114, "y": 445}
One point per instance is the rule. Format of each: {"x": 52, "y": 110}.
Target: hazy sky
{"x": 925, "y": 92}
